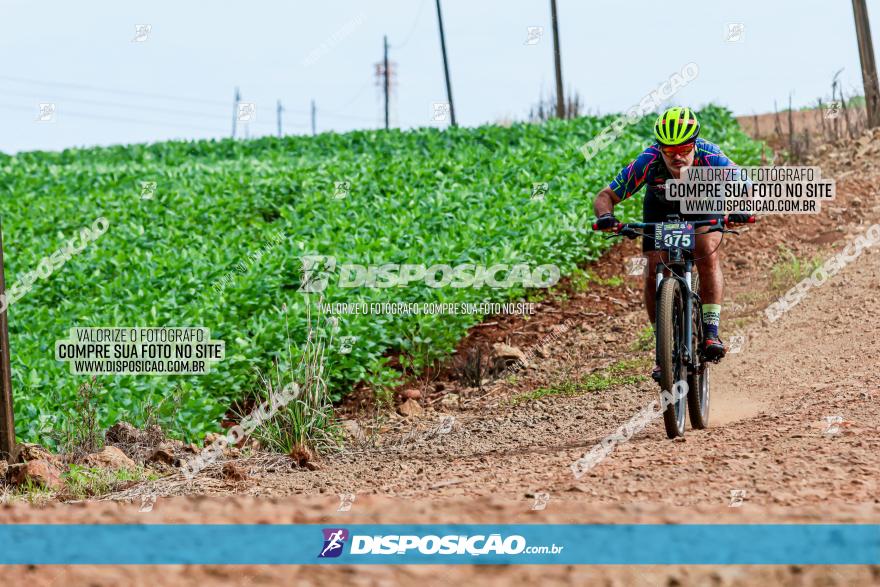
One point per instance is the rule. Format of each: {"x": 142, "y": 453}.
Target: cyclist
{"x": 677, "y": 146}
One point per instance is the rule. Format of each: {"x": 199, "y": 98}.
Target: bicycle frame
{"x": 678, "y": 259}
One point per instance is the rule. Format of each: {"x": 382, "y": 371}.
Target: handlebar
{"x": 719, "y": 224}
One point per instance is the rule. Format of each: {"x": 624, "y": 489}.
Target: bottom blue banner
{"x": 835, "y": 544}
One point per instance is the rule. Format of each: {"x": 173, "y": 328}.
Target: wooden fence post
{"x": 8, "y": 447}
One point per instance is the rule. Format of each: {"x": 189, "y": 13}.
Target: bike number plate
{"x": 675, "y": 235}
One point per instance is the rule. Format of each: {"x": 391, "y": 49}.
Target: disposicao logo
{"x": 334, "y": 541}
{"x": 451, "y": 544}
{"x": 444, "y": 545}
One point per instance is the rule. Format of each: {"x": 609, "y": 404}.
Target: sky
{"x": 110, "y": 84}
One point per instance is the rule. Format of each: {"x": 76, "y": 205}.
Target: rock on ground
{"x": 40, "y": 472}
{"x": 110, "y": 458}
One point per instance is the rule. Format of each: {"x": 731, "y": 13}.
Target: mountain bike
{"x": 679, "y": 322}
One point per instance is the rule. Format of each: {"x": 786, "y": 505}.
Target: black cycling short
{"x": 656, "y": 209}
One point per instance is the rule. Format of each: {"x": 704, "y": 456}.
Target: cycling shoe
{"x": 714, "y": 349}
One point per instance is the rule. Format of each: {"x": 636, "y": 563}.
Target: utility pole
{"x": 869, "y": 66}
{"x": 445, "y": 64}
{"x": 8, "y": 448}
{"x": 313, "y": 118}
{"x": 278, "y": 110}
{"x": 235, "y": 110}
{"x": 560, "y": 97}
{"x": 385, "y": 83}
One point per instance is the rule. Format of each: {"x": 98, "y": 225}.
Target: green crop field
{"x": 242, "y": 213}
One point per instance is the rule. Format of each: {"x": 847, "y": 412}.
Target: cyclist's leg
{"x": 708, "y": 261}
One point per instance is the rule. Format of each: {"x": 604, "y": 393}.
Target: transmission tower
{"x": 386, "y": 84}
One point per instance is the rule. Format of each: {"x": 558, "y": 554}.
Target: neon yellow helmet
{"x": 677, "y": 126}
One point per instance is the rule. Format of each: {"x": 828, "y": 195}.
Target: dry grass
{"x": 211, "y": 479}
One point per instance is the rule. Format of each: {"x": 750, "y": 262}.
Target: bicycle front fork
{"x": 688, "y": 302}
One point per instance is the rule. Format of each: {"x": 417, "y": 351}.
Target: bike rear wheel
{"x": 698, "y": 378}
{"x": 670, "y": 354}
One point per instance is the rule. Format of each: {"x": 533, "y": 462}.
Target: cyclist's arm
{"x": 630, "y": 180}
{"x": 605, "y": 202}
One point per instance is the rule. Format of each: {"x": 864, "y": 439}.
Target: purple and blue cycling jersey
{"x": 649, "y": 168}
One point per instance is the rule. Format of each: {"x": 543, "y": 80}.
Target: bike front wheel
{"x": 670, "y": 355}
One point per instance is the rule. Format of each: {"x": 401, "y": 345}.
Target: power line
{"x": 333, "y": 114}
{"x": 66, "y": 113}
{"x": 62, "y": 99}
{"x": 112, "y": 90}
{"x": 413, "y": 28}
{"x": 265, "y": 122}
{"x": 32, "y": 93}
{"x": 188, "y": 113}
{"x": 158, "y": 96}
{"x": 85, "y": 115}
{"x": 348, "y": 116}
{"x": 355, "y": 97}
